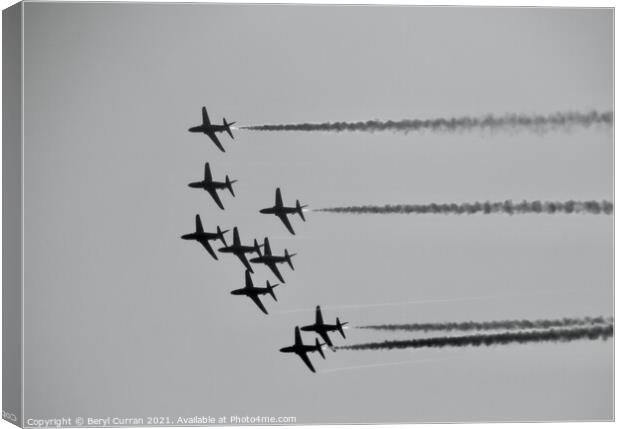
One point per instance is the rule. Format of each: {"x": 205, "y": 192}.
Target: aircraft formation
{"x": 257, "y": 256}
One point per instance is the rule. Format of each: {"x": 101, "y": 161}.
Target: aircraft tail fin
{"x": 229, "y": 184}
{"x": 289, "y": 257}
{"x": 340, "y": 325}
{"x": 227, "y": 126}
{"x": 270, "y": 288}
{"x": 300, "y": 210}
{"x": 220, "y": 235}
{"x": 319, "y": 348}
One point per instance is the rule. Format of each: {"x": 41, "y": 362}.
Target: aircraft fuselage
{"x": 208, "y": 185}
{"x": 300, "y": 349}
{"x": 208, "y": 129}
{"x": 279, "y": 210}
{"x": 201, "y": 235}
{"x": 269, "y": 259}
{"x": 320, "y": 328}
{"x": 251, "y": 291}
{"x": 238, "y": 249}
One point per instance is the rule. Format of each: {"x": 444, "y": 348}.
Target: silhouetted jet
{"x": 240, "y": 250}
{"x": 322, "y": 329}
{"x": 302, "y": 350}
{"x": 203, "y": 237}
{"x": 211, "y": 186}
{"x": 281, "y": 211}
{"x": 272, "y": 260}
{"x": 254, "y": 292}
{"x": 210, "y": 130}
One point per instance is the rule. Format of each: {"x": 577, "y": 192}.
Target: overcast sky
{"x": 123, "y": 318}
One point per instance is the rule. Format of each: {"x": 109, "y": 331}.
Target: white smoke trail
{"x": 509, "y": 122}
{"x": 493, "y": 324}
{"x": 502, "y": 338}
{"x": 506, "y": 207}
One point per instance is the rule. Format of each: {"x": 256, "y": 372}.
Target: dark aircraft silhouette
{"x": 210, "y": 129}
{"x": 302, "y": 350}
{"x": 211, "y": 186}
{"x": 254, "y": 292}
{"x": 322, "y": 329}
{"x": 240, "y": 250}
{"x": 272, "y": 260}
{"x": 281, "y": 211}
{"x": 203, "y": 237}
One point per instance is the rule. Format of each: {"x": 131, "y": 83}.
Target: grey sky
{"x": 125, "y": 319}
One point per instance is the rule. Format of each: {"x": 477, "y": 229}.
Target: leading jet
{"x": 239, "y": 250}
{"x": 254, "y": 292}
{"x": 203, "y": 237}
{"x": 322, "y": 329}
{"x": 282, "y": 211}
{"x": 209, "y": 185}
{"x": 302, "y": 350}
{"x": 210, "y": 129}
{"x": 272, "y": 260}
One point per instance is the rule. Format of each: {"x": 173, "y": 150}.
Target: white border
{"x": 482, "y": 3}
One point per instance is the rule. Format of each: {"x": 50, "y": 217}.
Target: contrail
{"x": 522, "y": 337}
{"x": 506, "y": 207}
{"x": 491, "y": 325}
{"x": 510, "y": 121}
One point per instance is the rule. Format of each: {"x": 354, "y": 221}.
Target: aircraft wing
{"x": 215, "y": 140}
{"x": 319, "y": 316}
{"x": 278, "y": 198}
{"x": 258, "y": 302}
{"x": 207, "y": 175}
{"x": 266, "y": 247}
{"x": 326, "y": 338}
{"x": 216, "y": 198}
{"x": 298, "y": 341}
{"x": 304, "y": 357}
{"x": 205, "y": 117}
{"x": 286, "y": 222}
{"x": 248, "y": 280}
{"x": 275, "y": 270}
{"x": 244, "y": 260}
{"x": 206, "y": 245}
{"x": 199, "y": 224}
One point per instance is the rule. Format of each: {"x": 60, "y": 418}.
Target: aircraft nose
{"x": 283, "y": 349}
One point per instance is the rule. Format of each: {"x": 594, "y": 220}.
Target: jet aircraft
{"x": 209, "y": 185}
{"x": 271, "y": 260}
{"x": 302, "y": 350}
{"x": 254, "y": 292}
{"x": 280, "y": 210}
{"x": 209, "y": 129}
{"x": 322, "y": 329}
{"x": 240, "y": 250}
{"x": 203, "y": 237}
